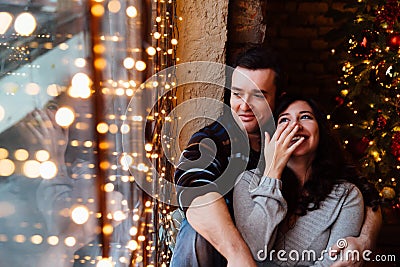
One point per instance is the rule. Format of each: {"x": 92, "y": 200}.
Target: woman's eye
{"x": 306, "y": 117}
{"x": 259, "y": 95}
{"x": 282, "y": 120}
{"x": 235, "y": 94}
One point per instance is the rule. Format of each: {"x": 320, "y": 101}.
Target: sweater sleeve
{"x": 259, "y": 207}
{"x": 348, "y": 223}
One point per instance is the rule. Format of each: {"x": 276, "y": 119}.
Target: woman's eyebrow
{"x": 283, "y": 114}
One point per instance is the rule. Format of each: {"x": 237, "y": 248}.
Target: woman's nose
{"x": 299, "y": 125}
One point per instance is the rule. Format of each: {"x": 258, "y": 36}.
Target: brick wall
{"x": 297, "y": 29}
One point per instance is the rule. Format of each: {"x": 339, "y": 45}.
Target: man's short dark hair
{"x": 263, "y": 58}
{"x": 260, "y": 58}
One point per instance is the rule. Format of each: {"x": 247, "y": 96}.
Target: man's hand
{"x": 366, "y": 240}
{"x": 345, "y": 255}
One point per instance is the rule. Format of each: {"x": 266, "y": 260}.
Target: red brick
{"x": 313, "y": 7}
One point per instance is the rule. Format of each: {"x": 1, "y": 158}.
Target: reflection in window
{"x": 78, "y": 184}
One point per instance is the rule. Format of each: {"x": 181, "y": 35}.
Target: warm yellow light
{"x": 133, "y": 231}
{"x": 129, "y": 63}
{"x": 126, "y": 160}
{"x": 6, "y": 19}
{"x": 125, "y": 128}
{"x": 174, "y": 42}
{"x": 151, "y": 51}
{"x": 141, "y": 238}
{"x": 158, "y": 19}
{"x": 100, "y": 63}
{"x": 80, "y": 214}
{"x": 148, "y": 147}
{"x": 102, "y": 127}
{"x": 64, "y": 117}
{"x": 36, "y": 239}
{"x": 21, "y": 154}
{"x": 106, "y": 262}
{"x": 108, "y": 229}
{"x": 131, "y": 11}
{"x": 140, "y": 65}
{"x": 109, "y": 187}
{"x": 119, "y": 216}
{"x": 80, "y": 62}
{"x": 344, "y": 92}
{"x": 25, "y": 23}
{"x": 97, "y": 10}
{"x": 48, "y": 169}
{"x": 52, "y": 240}
{"x": 114, "y": 6}
{"x": 7, "y": 167}
{"x": 53, "y": 90}
{"x": 31, "y": 168}
{"x": 136, "y": 217}
{"x": 19, "y": 238}
{"x": 132, "y": 245}
{"x": 3, "y": 153}
{"x": 157, "y": 35}
{"x": 99, "y": 49}
{"x": 70, "y": 241}
{"x": 42, "y": 155}
{"x": 32, "y": 89}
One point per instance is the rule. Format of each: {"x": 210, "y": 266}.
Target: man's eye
{"x": 259, "y": 95}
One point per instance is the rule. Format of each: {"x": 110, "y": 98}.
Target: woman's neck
{"x": 301, "y": 166}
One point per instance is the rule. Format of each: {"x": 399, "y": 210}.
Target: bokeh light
{"x": 31, "y": 169}
{"x": 140, "y": 65}
{"x": 42, "y": 155}
{"x": 132, "y": 12}
{"x": 70, "y": 241}
{"x": 48, "y": 170}
{"x": 114, "y": 6}
{"x": 133, "y": 245}
{"x": 7, "y": 167}
{"x": 6, "y": 20}
{"x": 106, "y": 262}
{"x": 97, "y": 10}
{"x": 21, "y": 154}
{"x": 133, "y": 231}
{"x": 80, "y": 214}
{"x": 80, "y": 62}
{"x": 36, "y": 239}
{"x": 3, "y": 153}
{"x": 52, "y": 240}
{"x": 64, "y": 117}
{"x": 32, "y": 89}
{"x": 129, "y": 63}
{"x": 25, "y": 23}
{"x": 53, "y": 90}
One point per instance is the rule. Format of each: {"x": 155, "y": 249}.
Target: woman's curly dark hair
{"x": 329, "y": 167}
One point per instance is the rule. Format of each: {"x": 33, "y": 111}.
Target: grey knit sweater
{"x": 260, "y": 207}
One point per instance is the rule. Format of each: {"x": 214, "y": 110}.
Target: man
{"x": 208, "y": 236}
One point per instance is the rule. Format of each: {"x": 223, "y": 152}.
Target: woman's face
{"x": 301, "y": 113}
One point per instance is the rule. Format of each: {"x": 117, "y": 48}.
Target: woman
{"x": 303, "y": 202}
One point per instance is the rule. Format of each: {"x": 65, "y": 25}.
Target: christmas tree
{"x": 367, "y": 115}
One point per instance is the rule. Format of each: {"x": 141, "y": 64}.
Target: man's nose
{"x": 245, "y": 105}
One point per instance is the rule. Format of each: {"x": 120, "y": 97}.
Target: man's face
{"x": 253, "y": 97}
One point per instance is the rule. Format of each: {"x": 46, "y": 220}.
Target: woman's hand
{"x": 52, "y": 137}
{"x": 279, "y": 148}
